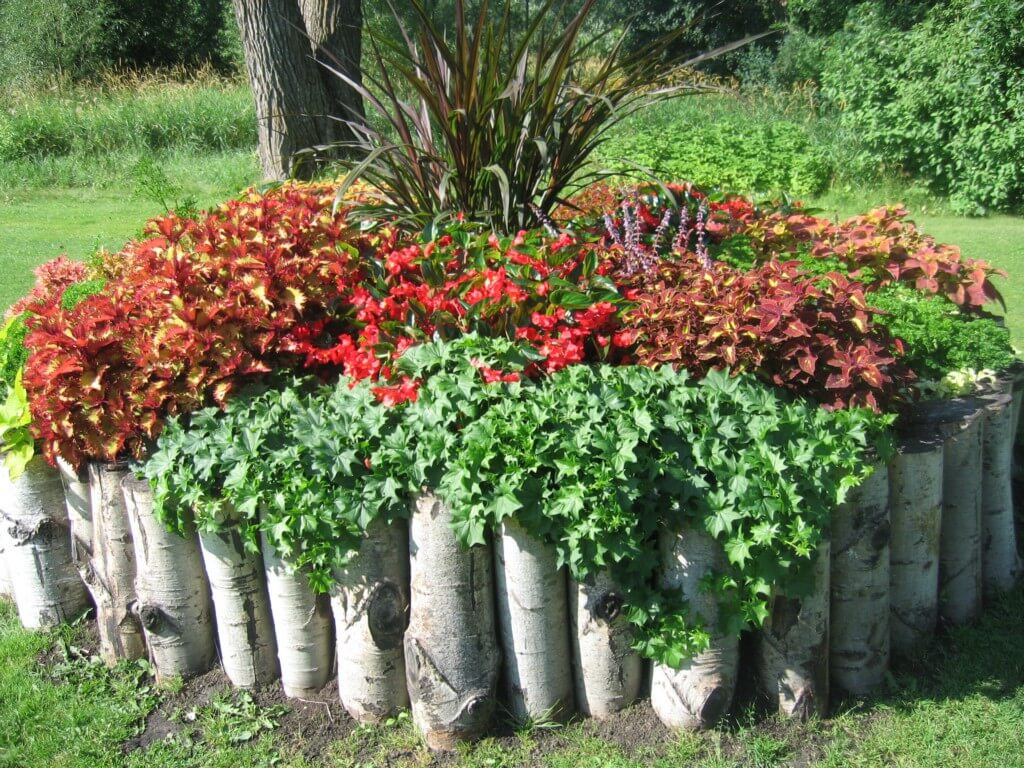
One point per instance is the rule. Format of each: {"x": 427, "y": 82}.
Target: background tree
{"x": 290, "y": 48}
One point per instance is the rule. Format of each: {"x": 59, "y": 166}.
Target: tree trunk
{"x": 244, "y": 627}
{"x": 451, "y": 651}
{"x": 47, "y": 588}
{"x": 793, "y": 648}
{"x": 1001, "y": 565}
{"x": 607, "y": 673}
{"x": 174, "y": 599}
{"x": 700, "y": 692}
{"x": 6, "y": 498}
{"x": 335, "y": 29}
{"x": 110, "y": 575}
{"x": 915, "y": 499}
{"x": 532, "y": 607}
{"x": 302, "y": 627}
{"x": 371, "y": 613}
{"x": 859, "y": 613}
{"x": 292, "y": 103}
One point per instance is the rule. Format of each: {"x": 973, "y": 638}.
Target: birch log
{"x": 1001, "y": 565}
{"x": 915, "y": 499}
{"x": 6, "y": 496}
{"x": 700, "y": 692}
{"x": 244, "y": 628}
{"x": 532, "y": 606}
{"x": 174, "y": 600}
{"x": 110, "y": 575}
{"x": 371, "y": 613}
{"x": 793, "y": 648}
{"x": 960, "y": 541}
{"x": 451, "y": 653}
{"x": 302, "y": 627}
{"x": 79, "y": 504}
{"x": 859, "y": 612}
{"x": 46, "y": 586}
{"x": 607, "y": 673}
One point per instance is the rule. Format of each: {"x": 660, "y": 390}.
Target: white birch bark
{"x": 371, "y": 612}
{"x": 859, "y": 612}
{"x": 607, "y": 673}
{"x": 79, "y": 503}
{"x": 110, "y": 575}
{"x": 6, "y": 584}
{"x": 174, "y": 600}
{"x": 793, "y": 649}
{"x": 302, "y": 627}
{"x": 46, "y": 585}
{"x": 700, "y": 692}
{"x": 245, "y": 631}
{"x": 960, "y": 589}
{"x": 532, "y": 627}
{"x": 1001, "y": 565}
{"x": 915, "y": 502}
{"x": 451, "y": 652}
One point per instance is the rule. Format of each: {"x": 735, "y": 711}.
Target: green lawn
{"x": 961, "y": 704}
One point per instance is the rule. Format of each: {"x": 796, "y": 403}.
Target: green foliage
{"x": 12, "y": 352}
{"x": 76, "y": 293}
{"x": 943, "y": 100}
{"x": 145, "y": 116}
{"x": 44, "y": 42}
{"x": 938, "y": 337}
{"x": 595, "y": 460}
{"x": 502, "y": 117}
{"x": 740, "y": 156}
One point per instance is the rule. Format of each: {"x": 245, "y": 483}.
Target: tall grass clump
{"x": 130, "y": 113}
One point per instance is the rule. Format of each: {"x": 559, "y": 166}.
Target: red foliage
{"x": 812, "y": 337}
{"x": 879, "y": 248}
{"x": 204, "y": 306}
{"x": 52, "y": 278}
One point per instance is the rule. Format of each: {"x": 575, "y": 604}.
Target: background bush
{"x": 943, "y": 101}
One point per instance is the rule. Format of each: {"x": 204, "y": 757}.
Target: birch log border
{"x": 303, "y": 629}
{"x": 960, "y": 585}
{"x": 174, "y": 598}
{"x": 532, "y": 604}
{"x": 700, "y": 692}
{"x": 370, "y": 601}
{"x": 78, "y": 499}
{"x": 110, "y": 574}
{"x": 245, "y": 631}
{"x": 47, "y": 587}
{"x": 915, "y": 500}
{"x": 608, "y": 674}
{"x": 1001, "y": 564}
{"x": 6, "y": 497}
{"x": 451, "y": 650}
{"x": 859, "y": 647}
{"x": 793, "y": 647}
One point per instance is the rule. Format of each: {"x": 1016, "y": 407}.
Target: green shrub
{"x": 739, "y": 155}
{"x": 943, "y": 101}
{"x": 12, "y": 352}
{"x": 938, "y": 338}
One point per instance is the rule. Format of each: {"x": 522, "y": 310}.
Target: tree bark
{"x": 298, "y": 100}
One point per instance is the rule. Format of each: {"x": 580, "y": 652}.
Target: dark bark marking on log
{"x": 608, "y": 606}
{"x": 151, "y": 617}
{"x": 785, "y": 615}
{"x": 250, "y": 621}
{"x": 387, "y": 616}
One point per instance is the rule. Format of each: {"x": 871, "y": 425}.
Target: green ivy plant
{"x": 595, "y": 460}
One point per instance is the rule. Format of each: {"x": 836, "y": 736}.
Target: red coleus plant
{"x": 813, "y": 337}
{"x": 52, "y": 278}
{"x": 203, "y": 306}
{"x": 878, "y": 248}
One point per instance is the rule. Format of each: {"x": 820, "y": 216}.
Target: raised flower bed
{"x": 554, "y": 459}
